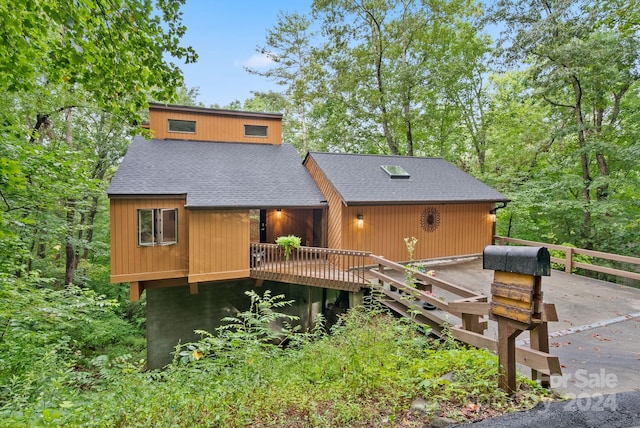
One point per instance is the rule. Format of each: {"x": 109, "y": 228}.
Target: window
{"x": 255, "y": 131}
{"x": 157, "y": 226}
{"x": 395, "y": 171}
{"x": 176, "y": 125}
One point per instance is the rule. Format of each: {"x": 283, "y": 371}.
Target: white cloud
{"x": 261, "y": 60}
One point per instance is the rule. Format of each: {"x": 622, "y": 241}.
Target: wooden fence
{"x": 470, "y": 307}
{"x": 569, "y": 262}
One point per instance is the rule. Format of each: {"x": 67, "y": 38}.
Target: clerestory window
{"x": 157, "y": 226}
{"x": 186, "y": 126}
{"x": 255, "y": 131}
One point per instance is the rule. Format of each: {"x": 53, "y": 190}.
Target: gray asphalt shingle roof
{"x": 217, "y": 175}
{"x": 360, "y": 180}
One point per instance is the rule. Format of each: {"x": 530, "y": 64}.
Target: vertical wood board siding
{"x": 211, "y": 127}
{"x": 130, "y": 261}
{"x": 336, "y": 207}
{"x": 298, "y": 222}
{"x": 463, "y": 229}
{"x": 218, "y": 241}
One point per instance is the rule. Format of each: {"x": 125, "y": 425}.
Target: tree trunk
{"x": 407, "y": 93}
{"x": 584, "y": 160}
{"x": 70, "y": 262}
{"x": 93, "y": 210}
{"x": 376, "y": 39}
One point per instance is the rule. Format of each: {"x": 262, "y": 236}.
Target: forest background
{"x": 548, "y": 113}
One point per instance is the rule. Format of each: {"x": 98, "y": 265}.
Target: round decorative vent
{"x": 430, "y": 219}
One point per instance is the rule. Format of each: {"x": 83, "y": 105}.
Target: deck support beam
{"x": 193, "y": 288}
{"x": 135, "y": 290}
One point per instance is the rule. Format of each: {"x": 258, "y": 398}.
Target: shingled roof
{"x": 361, "y": 180}
{"x": 217, "y": 175}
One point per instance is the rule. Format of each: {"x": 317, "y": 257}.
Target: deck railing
{"x": 569, "y": 262}
{"x": 472, "y": 308}
{"x": 320, "y": 267}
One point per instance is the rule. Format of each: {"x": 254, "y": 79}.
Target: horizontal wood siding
{"x": 336, "y": 207}
{"x": 218, "y": 245}
{"x": 463, "y": 229}
{"x": 129, "y": 262}
{"x": 210, "y": 127}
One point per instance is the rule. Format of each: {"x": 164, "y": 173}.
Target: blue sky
{"x": 225, "y": 35}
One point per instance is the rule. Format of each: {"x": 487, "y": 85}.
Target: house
{"x": 180, "y": 207}
{"x": 188, "y": 205}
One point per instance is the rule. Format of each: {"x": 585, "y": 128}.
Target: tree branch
{"x": 553, "y": 103}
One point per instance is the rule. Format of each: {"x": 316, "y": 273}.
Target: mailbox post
{"x": 516, "y": 300}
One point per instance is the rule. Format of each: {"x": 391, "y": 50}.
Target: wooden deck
{"x": 318, "y": 267}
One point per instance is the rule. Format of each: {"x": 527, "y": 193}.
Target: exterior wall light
{"x": 279, "y": 213}
{"x": 360, "y": 221}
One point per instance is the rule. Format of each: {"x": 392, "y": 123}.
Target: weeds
{"x": 254, "y": 371}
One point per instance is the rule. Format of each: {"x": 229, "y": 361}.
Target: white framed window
{"x": 185, "y": 126}
{"x": 157, "y": 226}
{"x": 255, "y": 131}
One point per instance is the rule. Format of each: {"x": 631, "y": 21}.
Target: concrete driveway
{"x": 597, "y": 337}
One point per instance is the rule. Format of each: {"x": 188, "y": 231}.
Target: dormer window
{"x": 255, "y": 131}
{"x": 184, "y": 126}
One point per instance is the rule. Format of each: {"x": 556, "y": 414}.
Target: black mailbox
{"x": 527, "y": 260}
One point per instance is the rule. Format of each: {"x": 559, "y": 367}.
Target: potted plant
{"x": 288, "y": 243}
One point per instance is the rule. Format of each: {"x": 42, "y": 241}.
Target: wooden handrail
{"x": 471, "y": 308}
{"x": 569, "y": 263}
{"x": 333, "y": 268}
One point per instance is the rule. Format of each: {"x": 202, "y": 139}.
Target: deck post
{"x": 539, "y": 339}
{"x": 135, "y": 290}
{"x": 507, "y": 333}
{"x": 568, "y": 264}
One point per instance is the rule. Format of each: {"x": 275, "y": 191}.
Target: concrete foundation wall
{"x": 173, "y": 313}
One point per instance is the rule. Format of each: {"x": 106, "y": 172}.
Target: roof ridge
{"x": 379, "y": 155}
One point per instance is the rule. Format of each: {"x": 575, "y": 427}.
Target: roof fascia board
{"x": 377, "y": 203}
{"x": 211, "y": 111}
{"x": 147, "y": 196}
{"x": 310, "y": 154}
{"x": 253, "y": 207}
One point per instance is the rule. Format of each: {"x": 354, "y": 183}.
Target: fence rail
{"x": 472, "y": 308}
{"x": 569, "y": 262}
{"x": 320, "y": 267}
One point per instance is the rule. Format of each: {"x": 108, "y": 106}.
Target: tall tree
{"x": 393, "y": 68}
{"x": 69, "y": 72}
{"x": 289, "y": 46}
{"x": 583, "y": 65}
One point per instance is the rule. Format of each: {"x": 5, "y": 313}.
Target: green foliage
{"x": 580, "y": 258}
{"x": 114, "y": 51}
{"x": 260, "y": 329}
{"x": 366, "y": 372}
{"x": 50, "y": 339}
{"x": 288, "y": 243}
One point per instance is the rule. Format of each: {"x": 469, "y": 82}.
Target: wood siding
{"x": 298, "y": 222}
{"x": 212, "y": 127}
{"x": 336, "y": 207}
{"x": 218, "y": 245}
{"x": 463, "y": 229}
{"x": 130, "y": 262}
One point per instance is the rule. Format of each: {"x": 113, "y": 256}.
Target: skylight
{"x": 395, "y": 171}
